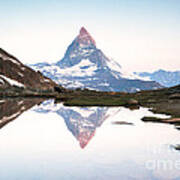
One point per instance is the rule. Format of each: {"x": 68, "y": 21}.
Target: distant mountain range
{"x": 15, "y": 74}
{"x": 166, "y": 78}
{"x": 86, "y": 66}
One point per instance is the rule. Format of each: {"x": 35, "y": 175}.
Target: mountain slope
{"x": 14, "y": 73}
{"x": 86, "y": 66}
{"x": 166, "y": 78}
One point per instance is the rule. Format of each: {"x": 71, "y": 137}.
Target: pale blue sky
{"x": 139, "y": 34}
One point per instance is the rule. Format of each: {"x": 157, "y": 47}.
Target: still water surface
{"x": 50, "y": 141}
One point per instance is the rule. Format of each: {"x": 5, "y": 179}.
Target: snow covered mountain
{"x": 166, "y": 78}
{"x": 14, "y": 73}
{"x": 86, "y": 66}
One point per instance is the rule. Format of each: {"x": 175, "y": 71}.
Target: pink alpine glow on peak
{"x": 83, "y": 31}
{"x": 85, "y": 38}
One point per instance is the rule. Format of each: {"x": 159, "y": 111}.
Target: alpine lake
{"x": 44, "y": 140}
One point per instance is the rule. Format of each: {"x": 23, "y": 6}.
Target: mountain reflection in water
{"x": 80, "y": 121}
{"x": 38, "y": 144}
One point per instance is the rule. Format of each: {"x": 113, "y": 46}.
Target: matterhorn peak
{"x": 85, "y": 38}
{"x": 86, "y": 66}
{"x": 83, "y": 31}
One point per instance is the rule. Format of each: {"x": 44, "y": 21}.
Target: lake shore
{"x": 161, "y": 101}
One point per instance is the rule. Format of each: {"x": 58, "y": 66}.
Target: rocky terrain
{"x": 15, "y": 75}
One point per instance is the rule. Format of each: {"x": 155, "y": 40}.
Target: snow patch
{"x": 132, "y": 76}
{"x": 1, "y": 81}
{"x": 23, "y": 68}
{"x": 75, "y": 71}
{"x": 5, "y": 58}
{"x": 12, "y": 81}
{"x": 2, "y": 101}
{"x": 20, "y": 74}
{"x": 6, "y": 118}
{"x": 113, "y": 65}
{"x": 46, "y": 80}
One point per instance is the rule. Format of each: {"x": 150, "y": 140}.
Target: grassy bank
{"x": 166, "y": 101}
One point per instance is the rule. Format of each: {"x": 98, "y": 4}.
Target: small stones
{"x": 175, "y": 96}
{"x": 151, "y": 101}
{"x": 133, "y": 102}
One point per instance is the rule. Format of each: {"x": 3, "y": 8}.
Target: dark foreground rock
{"x": 14, "y": 74}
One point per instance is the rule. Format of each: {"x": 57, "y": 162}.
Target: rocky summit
{"x": 86, "y": 66}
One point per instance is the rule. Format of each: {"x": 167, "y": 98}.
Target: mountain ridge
{"x": 164, "y": 77}
{"x": 14, "y": 73}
